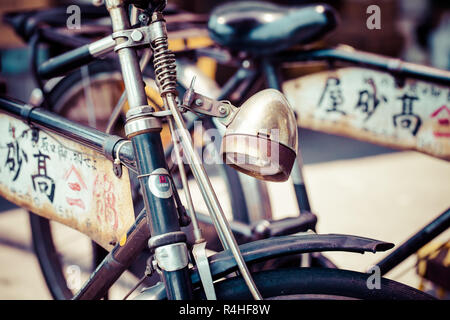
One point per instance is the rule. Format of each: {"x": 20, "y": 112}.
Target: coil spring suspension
{"x": 165, "y": 67}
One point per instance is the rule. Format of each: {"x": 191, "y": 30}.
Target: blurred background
{"x": 355, "y": 187}
{"x": 414, "y": 30}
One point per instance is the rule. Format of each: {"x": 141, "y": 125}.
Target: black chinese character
{"x": 407, "y": 119}
{"x": 41, "y": 181}
{"x": 62, "y": 152}
{"x": 435, "y": 92}
{"x": 34, "y": 136}
{"x": 368, "y": 100}
{"x": 15, "y": 158}
{"x": 332, "y": 95}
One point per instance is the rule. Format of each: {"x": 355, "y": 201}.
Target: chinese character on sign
{"x": 407, "y": 119}
{"x": 368, "y": 100}
{"x": 442, "y": 118}
{"x": 15, "y": 158}
{"x": 41, "y": 181}
{"x": 105, "y": 200}
{"x": 332, "y": 96}
{"x": 75, "y": 188}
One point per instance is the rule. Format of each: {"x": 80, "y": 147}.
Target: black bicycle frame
{"x": 394, "y": 66}
{"x": 415, "y": 242}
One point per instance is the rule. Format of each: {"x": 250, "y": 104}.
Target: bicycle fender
{"x": 223, "y": 262}
{"x": 257, "y": 251}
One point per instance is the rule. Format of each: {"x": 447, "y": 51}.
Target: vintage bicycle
{"x": 103, "y": 86}
{"x": 165, "y": 212}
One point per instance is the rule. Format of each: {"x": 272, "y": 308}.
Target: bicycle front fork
{"x": 167, "y": 241}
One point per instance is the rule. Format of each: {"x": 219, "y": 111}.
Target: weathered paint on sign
{"x": 370, "y": 106}
{"x": 63, "y": 181}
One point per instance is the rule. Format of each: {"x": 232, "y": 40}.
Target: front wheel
{"x": 316, "y": 284}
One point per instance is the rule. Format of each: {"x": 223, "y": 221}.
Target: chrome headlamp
{"x": 261, "y": 139}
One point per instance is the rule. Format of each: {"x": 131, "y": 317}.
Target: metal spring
{"x": 165, "y": 67}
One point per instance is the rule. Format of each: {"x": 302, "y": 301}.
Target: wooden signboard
{"x": 63, "y": 181}
{"x": 371, "y": 106}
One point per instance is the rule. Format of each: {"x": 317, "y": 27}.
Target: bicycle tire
{"x": 315, "y": 283}
{"x": 49, "y": 261}
{"x": 43, "y": 243}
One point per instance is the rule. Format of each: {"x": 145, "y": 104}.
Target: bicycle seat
{"x": 261, "y": 28}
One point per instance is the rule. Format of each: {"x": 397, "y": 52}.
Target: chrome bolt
{"x": 144, "y": 18}
{"x": 136, "y": 35}
{"x": 198, "y": 102}
{"x": 223, "y": 110}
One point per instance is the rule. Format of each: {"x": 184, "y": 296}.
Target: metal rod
{"x": 134, "y": 15}
{"x": 231, "y": 85}
{"x": 101, "y": 47}
{"x": 86, "y": 82}
{"x": 49, "y": 121}
{"x": 187, "y": 193}
{"x": 116, "y": 112}
{"x": 417, "y": 241}
{"x": 299, "y": 184}
{"x": 273, "y": 81}
{"x": 120, "y": 103}
{"x": 127, "y": 56}
{"x": 370, "y": 60}
{"x": 76, "y": 58}
{"x": 116, "y": 262}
